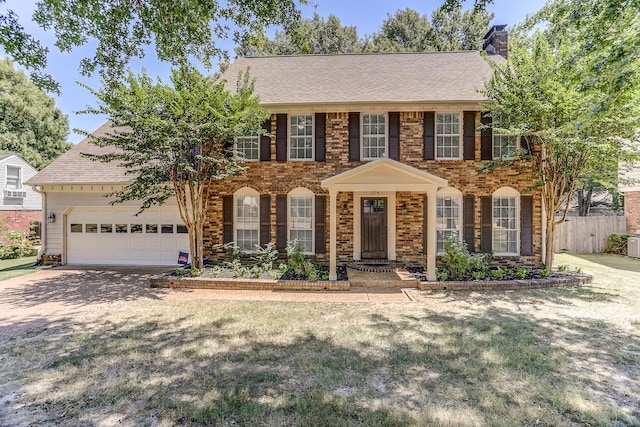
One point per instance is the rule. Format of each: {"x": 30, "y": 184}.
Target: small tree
{"x": 175, "y": 140}
{"x": 545, "y": 94}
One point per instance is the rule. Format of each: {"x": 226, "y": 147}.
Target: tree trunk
{"x": 584, "y": 201}
{"x": 550, "y": 235}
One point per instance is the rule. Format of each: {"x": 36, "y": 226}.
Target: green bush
{"x": 458, "y": 262}
{"x": 617, "y": 243}
{"x": 15, "y": 244}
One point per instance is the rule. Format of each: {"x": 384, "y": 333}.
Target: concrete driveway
{"x": 54, "y": 293}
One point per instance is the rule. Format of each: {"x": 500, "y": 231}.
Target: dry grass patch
{"x": 540, "y": 357}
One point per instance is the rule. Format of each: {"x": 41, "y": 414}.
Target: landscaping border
{"x": 170, "y": 281}
{"x": 475, "y": 285}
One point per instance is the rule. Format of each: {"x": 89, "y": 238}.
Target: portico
{"x": 374, "y": 186}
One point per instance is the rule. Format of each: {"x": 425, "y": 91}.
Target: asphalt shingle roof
{"x": 72, "y": 168}
{"x": 366, "y": 78}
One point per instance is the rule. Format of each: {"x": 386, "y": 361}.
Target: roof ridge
{"x": 316, "y": 55}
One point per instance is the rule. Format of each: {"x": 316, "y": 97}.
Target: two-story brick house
{"x": 370, "y": 156}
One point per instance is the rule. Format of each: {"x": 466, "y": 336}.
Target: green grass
{"x": 16, "y": 267}
{"x": 567, "y": 356}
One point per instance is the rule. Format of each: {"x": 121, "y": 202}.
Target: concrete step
{"x": 399, "y": 278}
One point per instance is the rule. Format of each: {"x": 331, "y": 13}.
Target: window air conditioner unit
{"x": 633, "y": 247}
{"x": 15, "y": 194}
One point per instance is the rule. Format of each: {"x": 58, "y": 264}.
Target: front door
{"x": 374, "y": 227}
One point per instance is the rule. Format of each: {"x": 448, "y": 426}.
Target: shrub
{"x": 617, "y": 243}
{"x": 499, "y": 273}
{"x": 299, "y": 265}
{"x": 16, "y": 244}
{"x": 522, "y": 272}
{"x": 265, "y": 256}
{"x": 455, "y": 258}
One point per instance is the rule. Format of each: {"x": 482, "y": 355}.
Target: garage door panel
{"x": 148, "y": 246}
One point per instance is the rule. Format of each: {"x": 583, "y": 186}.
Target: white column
{"x": 431, "y": 235}
{"x": 333, "y": 246}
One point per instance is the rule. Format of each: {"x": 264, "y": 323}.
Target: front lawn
{"x": 16, "y": 267}
{"x": 566, "y": 356}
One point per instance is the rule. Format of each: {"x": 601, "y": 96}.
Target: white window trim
{"x": 313, "y": 137}
{"x": 454, "y": 194}
{"x": 244, "y": 191}
{"x": 6, "y": 176}
{"x": 302, "y": 192}
{"x": 386, "y": 136}
{"x": 460, "y": 136}
{"x": 504, "y": 192}
{"x": 493, "y": 146}
{"x": 235, "y": 146}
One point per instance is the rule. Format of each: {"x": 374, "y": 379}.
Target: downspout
{"x": 43, "y": 223}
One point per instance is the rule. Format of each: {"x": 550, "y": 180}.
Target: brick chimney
{"x": 496, "y": 41}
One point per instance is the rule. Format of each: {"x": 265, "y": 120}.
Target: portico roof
{"x": 384, "y": 175}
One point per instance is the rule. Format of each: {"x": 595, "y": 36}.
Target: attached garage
{"x": 116, "y": 236}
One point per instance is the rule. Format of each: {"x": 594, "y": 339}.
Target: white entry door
{"x": 115, "y": 236}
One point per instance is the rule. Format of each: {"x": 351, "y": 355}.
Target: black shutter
{"x": 265, "y": 142}
{"x": 281, "y": 137}
{"x": 265, "y": 219}
{"x": 526, "y": 225}
{"x": 429, "y": 134}
{"x": 281, "y": 222}
{"x": 425, "y": 226}
{"x": 227, "y": 219}
{"x": 354, "y": 136}
{"x": 468, "y": 220}
{"x": 486, "y": 217}
{"x": 486, "y": 138}
{"x": 394, "y": 136}
{"x": 469, "y": 135}
{"x": 320, "y": 136}
{"x": 321, "y": 242}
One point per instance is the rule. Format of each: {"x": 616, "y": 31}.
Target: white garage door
{"x": 115, "y": 236}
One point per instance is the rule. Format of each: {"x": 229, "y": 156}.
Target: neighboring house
{"x": 372, "y": 156}
{"x": 21, "y": 205}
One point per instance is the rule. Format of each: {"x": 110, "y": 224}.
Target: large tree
{"x": 121, "y": 30}
{"x": 30, "y": 123}
{"x": 304, "y": 36}
{"x": 574, "y": 107}
{"x": 174, "y": 140}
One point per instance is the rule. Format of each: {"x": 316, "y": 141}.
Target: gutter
{"x": 43, "y": 222}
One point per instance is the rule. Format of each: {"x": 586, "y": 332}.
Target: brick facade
{"x": 19, "y": 220}
{"x": 632, "y": 211}
{"x": 278, "y": 178}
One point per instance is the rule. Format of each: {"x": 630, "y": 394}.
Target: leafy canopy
{"x": 576, "y": 109}
{"x": 178, "y": 30}
{"x": 30, "y": 123}
{"x": 174, "y": 140}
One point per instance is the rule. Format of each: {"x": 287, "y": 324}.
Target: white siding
{"x": 33, "y": 200}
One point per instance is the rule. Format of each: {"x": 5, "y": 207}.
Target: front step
{"x": 375, "y": 266}
{"x": 399, "y": 278}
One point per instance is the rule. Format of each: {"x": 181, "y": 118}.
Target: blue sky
{"x": 367, "y": 16}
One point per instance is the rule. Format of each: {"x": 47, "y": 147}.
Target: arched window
{"x": 300, "y": 220}
{"x": 505, "y": 221}
{"x": 448, "y": 216}
{"x": 246, "y": 218}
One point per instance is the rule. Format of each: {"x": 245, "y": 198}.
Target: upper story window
{"x": 249, "y": 147}
{"x": 301, "y": 218}
{"x": 505, "y": 219}
{"x": 14, "y": 178}
{"x": 448, "y": 137}
{"x": 448, "y": 216}
{"x": 374, "y": 136}
{"x": 504, "y": 146}
{"x": 246, "y": 218}
{"x": 301, "y": 137}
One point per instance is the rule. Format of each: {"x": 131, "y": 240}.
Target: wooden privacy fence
{"x": 587, "y": 234}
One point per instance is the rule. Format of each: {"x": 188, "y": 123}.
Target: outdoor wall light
{"x": 51, "y": 218}
{"x": 345, "y": 210}
{"x": 404, "y": 208}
